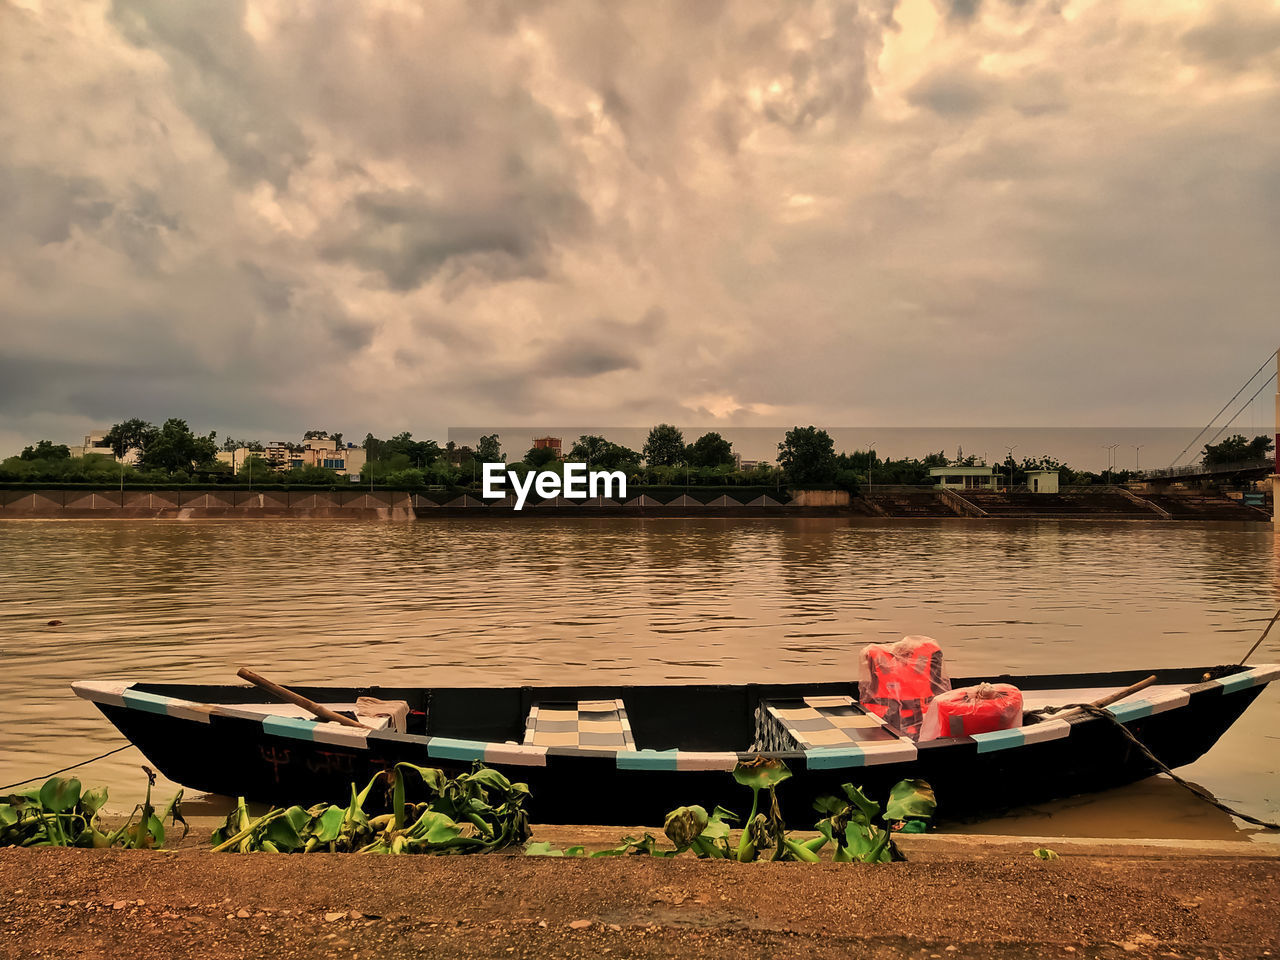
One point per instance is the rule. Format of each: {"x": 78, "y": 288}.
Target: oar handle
{"x": 287, "y": 695}
{"x": 1121, "y": 694}
{"x": 1110, "y": 698}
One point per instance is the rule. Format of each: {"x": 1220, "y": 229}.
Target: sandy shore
{"x": 957, "y": 897}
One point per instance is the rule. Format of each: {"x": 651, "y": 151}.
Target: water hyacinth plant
{"x": 854, "y": 824}
{"x": 472, "y": 813}
{"x": 63, "y": 814}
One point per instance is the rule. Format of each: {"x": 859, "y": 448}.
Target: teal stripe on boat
{"x": 1132, "y": 710}
{"x": 146, "y": 702}
{"x": 834, "y": 758}
{"x": 1240, "y": 681}
{"x": 999, "y": 740}
{"x": 449, "y": 749}
{"x": 294, "y": 727}
{"x": 647, "y": 759}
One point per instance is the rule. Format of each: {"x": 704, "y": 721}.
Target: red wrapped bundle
{"x": 970, "y": 710}
{"x": 897, "y": 681}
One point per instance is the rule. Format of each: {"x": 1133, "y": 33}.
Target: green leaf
{"x": 864, "y": 810}
{"x": 799, "y": 851}
{"x": 645, "y": 845}
{"x": 93, "y": 800}
{"x": 8, "y": 815}
{"x": 542, "y": 848}
{"x": 761, "y": 772}
{"x": 914, "y": 826}
{"x": 1044, "y": 853}
{"x": 326, "y": 827}
{"x": 864, "y": 843}
{"x": 910, "y": 799}
{"x": 684, "y": 825}
{"x": 286, "y": 831}
{"x": 154, "y": 833}
{"x": 60, "y": 794}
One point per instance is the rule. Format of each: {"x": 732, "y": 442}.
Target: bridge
{"x": 1236, "y": 472}
{"x": 1242, "y": 470}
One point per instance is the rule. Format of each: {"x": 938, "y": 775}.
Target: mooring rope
{"x": 1103, "y": 713}
{"x": 65, "y": 769}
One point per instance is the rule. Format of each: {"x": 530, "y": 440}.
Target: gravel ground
{"x": 116, "y": 904}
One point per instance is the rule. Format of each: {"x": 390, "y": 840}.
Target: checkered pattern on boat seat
{"x": 589, "y": 724}
{"x": 827, "y": 722}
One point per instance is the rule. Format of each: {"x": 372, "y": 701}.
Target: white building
{"x": 964, "y": 478}
{"x": 1042, "y": 481}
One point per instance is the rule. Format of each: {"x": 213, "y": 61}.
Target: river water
{"x": 647, "y": 600}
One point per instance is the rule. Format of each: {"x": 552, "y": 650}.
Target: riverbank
{"x": 882, "y": 503}
{"x": 994, "y": 900}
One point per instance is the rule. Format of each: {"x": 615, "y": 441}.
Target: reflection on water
{"x": 617, "y": 599}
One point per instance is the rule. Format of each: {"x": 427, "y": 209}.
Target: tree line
{"x": 173, "y": 453}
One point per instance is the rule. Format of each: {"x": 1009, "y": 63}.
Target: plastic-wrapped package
{"x": 897, "y": 681}
{"x": 970, "y": 710}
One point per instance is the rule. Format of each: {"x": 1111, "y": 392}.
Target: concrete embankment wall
{"x": 352, "y": 504}
{"x": 204, "y": 504}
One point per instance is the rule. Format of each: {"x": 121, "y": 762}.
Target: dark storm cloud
{"x": 220, "y": 79}
{"x": 42, "y": 207}
{"x": 954, "y": 91}
{"x": 585, "y": 360}
{"x": 1235, "y": 37}
{"x": 408, "y": 239}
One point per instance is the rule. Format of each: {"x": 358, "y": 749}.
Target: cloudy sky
{"x": 269, "y": 216}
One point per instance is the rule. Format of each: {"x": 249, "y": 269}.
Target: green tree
{"x": 133, "y": 434}
{"x": 421, "y": 453}
{"x": 807, "y": 455}
{"x": 601, "y": 454}
{"x": 664, "y": 447}
{"x": 710, "y": 450}
{"x": 1236, "y": 449}
{"x": 46, "y": 450}
{"x": 174, "y": 447}
{"x": 255, "y": 469}
{"x": 539, "y": 456}
{"x": 489, "y": 449}
{"x": 316, "y": 435}
{"x": 312, "y": 476}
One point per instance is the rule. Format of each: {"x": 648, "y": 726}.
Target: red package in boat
{"x": 970, "y": 710}
{"x": 898, "y": 681}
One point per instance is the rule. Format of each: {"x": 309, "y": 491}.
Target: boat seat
{"x": 817, "y": 722}
{"x": 588, "y": 724}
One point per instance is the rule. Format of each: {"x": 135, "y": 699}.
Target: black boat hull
{"x": 240, "y": 755}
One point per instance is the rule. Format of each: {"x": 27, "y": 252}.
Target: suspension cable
{"x": 1209, "y": 425}
{"x": 1264, "y": 386}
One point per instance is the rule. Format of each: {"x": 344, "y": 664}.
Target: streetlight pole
{"x": 1111, "y": 453}
{"x": 871, "y": 465}
{"x": 1011, "y": 464}
{"x": 1137, "y": 454}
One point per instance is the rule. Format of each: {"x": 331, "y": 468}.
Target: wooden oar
{"x": 1109, "y": 698}
{"x": 1258, "y": 643}
{"x": 284, "y": 693}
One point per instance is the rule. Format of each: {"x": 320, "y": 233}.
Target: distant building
{"x": 964, "y": 478}
{"x": 552, "y": 443}
{"x": 346, "y": 461}
{"x": 1042, "y": 481}
{"x": 96, "y": 443}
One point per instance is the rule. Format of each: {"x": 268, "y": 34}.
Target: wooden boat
{"x": 627, "y": 755}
